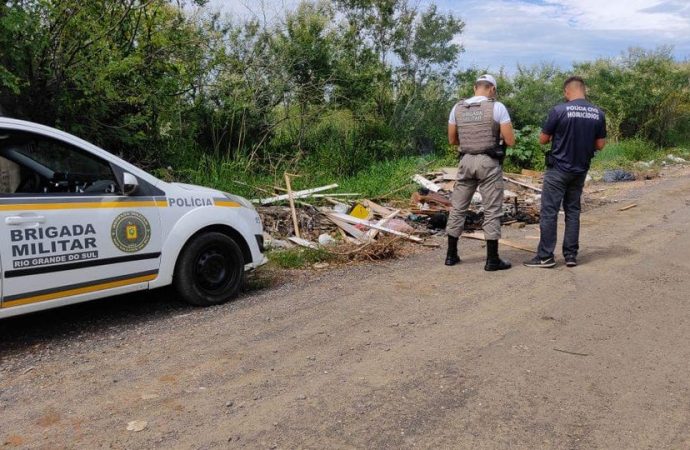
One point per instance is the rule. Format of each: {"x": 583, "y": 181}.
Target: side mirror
{"x": 129, "y": 183}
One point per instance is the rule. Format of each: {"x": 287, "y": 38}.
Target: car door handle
{"x": 22, "y": 220}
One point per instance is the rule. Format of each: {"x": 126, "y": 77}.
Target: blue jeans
{"x": 566, "y": 188}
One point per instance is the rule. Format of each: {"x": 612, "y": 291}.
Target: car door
{"x": 67, "y": 231}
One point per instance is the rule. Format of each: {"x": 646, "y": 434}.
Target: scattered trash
{"x": 520, "y": 183}
{"x": 433, "y": 187}
{"x": 616, "y": 175}
{"x": 341, "y": 208}
{"x": 361, "y": 212}
{"x": 438, "y": 221}
{"x": 367, "y": 230}
{"x": 303, "y": 242}
{"x": 326, "y": 240}
{"x": 354, "y": 220}
{"x": 278, "y": 244}
{"x": 571, "y": 353}
{"x": 400, "y": 225}
{"x": 521, "y": 204}
{"x": 137, "y": 425}
{"x": 675, "y": 159}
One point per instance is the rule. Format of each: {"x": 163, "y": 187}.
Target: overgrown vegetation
{"x": 356, "y": 91}
{"x": 623, "y": 154}
{"x": 300, "y": 257}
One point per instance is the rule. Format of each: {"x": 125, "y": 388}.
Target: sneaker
{"x": 570, "y": 261}
{"x": 538, "y": 262}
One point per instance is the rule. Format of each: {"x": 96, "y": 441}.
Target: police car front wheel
{"x": 210, "y": 270}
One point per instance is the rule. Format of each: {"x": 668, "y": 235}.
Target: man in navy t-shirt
{"x": 576, "y": 130}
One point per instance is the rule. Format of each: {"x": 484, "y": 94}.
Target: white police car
{"x": 78, "y": 223}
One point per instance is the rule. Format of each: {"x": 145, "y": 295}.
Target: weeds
{"x": 299, "y": 258}
{"x": 243, "y": 178}
{"x": 624, "y": 154}
{"x": 248, "y": 178}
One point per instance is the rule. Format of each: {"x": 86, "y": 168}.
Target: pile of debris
{"x": 521, "y": 202}
{"x": 316, "y": 219}
{"x": 358, "y": 223}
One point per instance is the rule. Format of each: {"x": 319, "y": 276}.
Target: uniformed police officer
{"x": 477, "y": 125}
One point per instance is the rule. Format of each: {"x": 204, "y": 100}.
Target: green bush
{"x": 625, "y": 153}
{"x": 527, "y": 153}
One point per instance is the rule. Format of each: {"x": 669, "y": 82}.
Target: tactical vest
{"x": 477, "y": 130}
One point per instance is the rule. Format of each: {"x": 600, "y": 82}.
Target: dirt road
{"x": 395, "y": 355}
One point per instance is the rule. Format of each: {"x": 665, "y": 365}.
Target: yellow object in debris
{"x": 360, "y": 212}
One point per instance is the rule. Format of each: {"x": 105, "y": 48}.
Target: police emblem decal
{"x": 130, "y": 232}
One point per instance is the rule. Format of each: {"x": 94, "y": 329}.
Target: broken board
{"x": 507, "y": 243}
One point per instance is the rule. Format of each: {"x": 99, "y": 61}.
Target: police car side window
{"x": 49, "y": 166}
{"x": 10, "y": 174}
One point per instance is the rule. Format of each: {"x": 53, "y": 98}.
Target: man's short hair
{"x": 574, "y": 79}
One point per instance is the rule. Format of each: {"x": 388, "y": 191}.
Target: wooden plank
{"x": 427, "y": 212}
{"x": 303, "y": 242}
{"x": 351, "y": 230}
{"x": 433, "y": 187}
{"x": 293, "y": 211}
{"x": 520, "y": 183}
{"x": 296, "y": 194}
{"x": 373, "y": 231}
{"x": 333, "y": 201}
{"x": 378, "y": 209}
{"x": 507, "y": 243}
{"x": 344, "y": 194}
{"x": 433, "y": 197}
{"x": 354, "y": 220}
{"x": 625, "y": 208}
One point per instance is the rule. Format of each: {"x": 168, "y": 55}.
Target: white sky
{"x": 503, "y": 33}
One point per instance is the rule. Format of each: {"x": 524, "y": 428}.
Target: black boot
{"x": 493, "y": 262}
{"x": 452, "y": 257}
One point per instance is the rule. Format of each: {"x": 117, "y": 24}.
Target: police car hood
{"x": 195, "y": 188}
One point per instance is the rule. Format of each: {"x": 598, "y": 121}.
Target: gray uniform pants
{"x": 484, "y": 173}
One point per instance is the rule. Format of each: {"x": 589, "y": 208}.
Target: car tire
{"x": 209, "y": 270}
